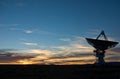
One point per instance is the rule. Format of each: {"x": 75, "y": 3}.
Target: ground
{"x": 59, "y": 71}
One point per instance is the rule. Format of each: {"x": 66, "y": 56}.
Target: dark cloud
{"x": 71, "y": 54}
{"x": 117, "y": 49}
{"x": 6, "y": 57}
{"x": 91, "y": 60}
{"x": 78, "y": 54}
{"x": 116, "y": 58}
{"x": 70, "y": 60}
{"x": 5, "y": 50}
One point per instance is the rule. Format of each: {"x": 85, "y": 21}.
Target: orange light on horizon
{"x": 25, "y": 62}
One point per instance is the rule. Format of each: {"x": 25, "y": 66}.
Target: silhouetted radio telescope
{"x": 100, "y": 47}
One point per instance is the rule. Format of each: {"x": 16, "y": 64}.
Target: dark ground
{"x": 59, "y": 72}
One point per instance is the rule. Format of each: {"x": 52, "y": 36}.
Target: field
{"x": 59, "y": 71}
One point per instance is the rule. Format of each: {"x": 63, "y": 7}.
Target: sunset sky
{"x": 54, "y": 31}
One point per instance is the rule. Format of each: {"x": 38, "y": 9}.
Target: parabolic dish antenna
{"x": 100, "y": 46}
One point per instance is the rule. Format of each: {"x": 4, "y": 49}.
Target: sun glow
{"x": 25, "y": 62}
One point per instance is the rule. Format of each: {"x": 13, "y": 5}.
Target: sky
{"x": 54, "y": 31}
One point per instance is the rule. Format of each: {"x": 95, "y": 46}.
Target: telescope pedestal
{"x": 100, "y": 56}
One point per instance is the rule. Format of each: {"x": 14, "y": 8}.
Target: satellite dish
{"x": 100, "y": 46}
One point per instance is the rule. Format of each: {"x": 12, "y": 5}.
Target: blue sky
{"x": 48, "y": 25}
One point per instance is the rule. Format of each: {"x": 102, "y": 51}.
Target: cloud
{"x": 8, "y": 25}
{"x": 65, "y": 60}
{"x": 23, "y": 30}
{"x": 28, "y": 31}
{"x": 117, "y": 49}
{"x": 30, "y": 44}
{"x": 31, "y": 31}
{"x": 37, "y": 31}
{"x": 2, "y": 50}
{"x": 10, "y": 57}
{"x": 64, "y": 54}
{"x": 77, "y": 51}
{"x": 77, "y": 45}
{"x": 113, "y": 55}
{"x": 50, "y": 57}
{"x": 39, "y": 55}
{"x": 45, "y": 57}
{"x": 65, "y": 39}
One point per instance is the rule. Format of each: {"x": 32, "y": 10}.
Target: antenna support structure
{"x": 100, "y": 47}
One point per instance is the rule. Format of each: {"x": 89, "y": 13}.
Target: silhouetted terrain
{"x": 107, "y": 71}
